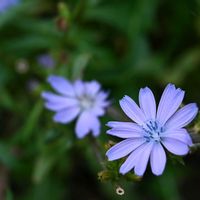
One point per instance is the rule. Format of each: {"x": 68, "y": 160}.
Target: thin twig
{"x": 97, "y": 150}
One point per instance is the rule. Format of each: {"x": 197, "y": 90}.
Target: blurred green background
{"x": 124, "y": 45}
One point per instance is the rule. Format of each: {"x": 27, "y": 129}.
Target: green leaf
{"x": 79, "y": 65}
{"x": 31, "y": 123}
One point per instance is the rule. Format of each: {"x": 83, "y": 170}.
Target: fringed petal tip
{"x": 147, "y": 103}
{"x": 109, "y": 124}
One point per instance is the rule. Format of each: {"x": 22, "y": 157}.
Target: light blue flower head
{"x": 84, "y": 100}
{"x": 46, "y": 61}
{"x": 152, "y": 131}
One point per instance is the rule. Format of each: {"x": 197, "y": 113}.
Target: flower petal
{"x": 138, "y": 159}
{"x": 125, "y": 129}
{"x": 157, "y": 159}
{"x": 182, "y": 117}
{"x": 66, "y": 115}
{"x": 49, "y": 96}
{"x": 61, "y": 85}
{"x": 60, "y": 106}
{"x": 98, "y": 111}
{"x": 79, "y": 88}
{"x": 92, "y": 88}
{"x": 117, "y": 124}
{"x": 147, "y": 103}
{"x": 82, "y": 128}
{"x": 175, "y": 146}
{"x": 132, "y": 110}
{"x": 143, "y": 158}
{"x": 87, "y": 122}
{"x": 100, "y": 99}
{"x": 168, "y": 93}
{"x": 170, "y": 101}
{"x": 95, "y": 126}
{"x": 56, "y": 102}
{"x": 123, "y": 148}
{"x": 180, "y": 134}
{"x": 123, "y": 133}
{"x": 102, "y": 95}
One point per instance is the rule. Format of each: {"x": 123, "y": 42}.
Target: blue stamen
{"x": 152, "y": 131}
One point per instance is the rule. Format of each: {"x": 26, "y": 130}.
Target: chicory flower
{"x": 153, "y": 131}
{"x": 84, "y": 100}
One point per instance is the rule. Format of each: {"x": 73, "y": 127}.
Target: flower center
{"x": 86, "y": 102}
{"x": 152, "y": 131}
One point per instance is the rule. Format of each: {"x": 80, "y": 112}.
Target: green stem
{"x": 97, "y": 150}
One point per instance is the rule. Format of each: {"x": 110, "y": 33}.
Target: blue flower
{"x": 153, "y": 131}
{"x": 6, "y": 4}
{"x": 84, "y": 100}
{"x": 46, "y": 61}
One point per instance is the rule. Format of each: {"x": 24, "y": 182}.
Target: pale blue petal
{"x": 56, "y": 102}
{"x": 49, "y": 96}
{"x": 132, "y": 110}
{"x": 100, "y": 99}
{"x": 100, "y": 104}
{"x": 79, "y": 88}
{"x": 82, "y": 128}
{"x": 175, "y": 103}
{"x": 61, "y": 85}
{"x": 129, "y": 164}
{"x": 182, "y": 117}
{"x": 98, "y": 111}
{"x": 92, "y": 88}
{"x": 87, "y": 122}
{"x": 147, "y": 103}
{"x": 60, "y": 106}
{"x": 95, "y": 126}
{"x": 157, "y": 159}
{"x": 180, "y": 134}
{"x": 138, "y": 159}
{"x": 102, "y": 95}
{"x": 117, "y": 124}
{"x": 143, "y": 157}
{"x": 66, "y": 115}
{"x": 123, "y": 133}
{"x": 170, "y": 101}
{"x": 168, "y": 93}
{"x": 123, "y": 148}
{"x": 125, "y": 129}
{"x": 175, "y": 146}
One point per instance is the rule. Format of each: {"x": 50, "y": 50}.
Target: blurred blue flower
{"x": 46, "y": 61}
{"x": 152, "y": 131}
{"x": 80, "y": 99}
{"x": 6, "y": 4}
